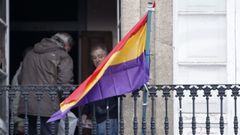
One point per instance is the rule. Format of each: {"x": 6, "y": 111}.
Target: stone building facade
{"x": 191, "y": 42}
{"x": 161, "y": 57}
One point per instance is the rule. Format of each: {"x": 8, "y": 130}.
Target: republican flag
{"x": 122, "y": 71}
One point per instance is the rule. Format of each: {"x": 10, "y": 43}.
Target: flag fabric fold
{"x": 122, "y": 71}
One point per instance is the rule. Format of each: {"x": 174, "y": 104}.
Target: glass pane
{"x": 200, "y": 36}
{"x": 3, "y": 9}
{"x": 44, "y": 10}
{"x": 2, "y": 45}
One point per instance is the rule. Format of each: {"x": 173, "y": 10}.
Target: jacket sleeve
{"x": 65, "y": 70}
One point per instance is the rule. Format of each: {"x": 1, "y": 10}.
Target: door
{"x": 203, "y": 54}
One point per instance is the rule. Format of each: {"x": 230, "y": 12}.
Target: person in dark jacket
{"x": 47, "y": 63}
{"x": 98, "y": 53}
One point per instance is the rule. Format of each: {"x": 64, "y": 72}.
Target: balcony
{"x": 166, "y": 92}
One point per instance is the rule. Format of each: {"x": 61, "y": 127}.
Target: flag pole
{"x": 149, "y": 21}
{"x": 145, "y": 92}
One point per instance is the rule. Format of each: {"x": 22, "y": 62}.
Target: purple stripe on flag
{"x": 119, "y": 79}
{"x": 58, "y": 115}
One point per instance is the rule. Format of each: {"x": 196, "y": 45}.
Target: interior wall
{"x": 102, "y": 16}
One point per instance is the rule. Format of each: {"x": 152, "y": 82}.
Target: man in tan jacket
{"x": 47, "y": 63}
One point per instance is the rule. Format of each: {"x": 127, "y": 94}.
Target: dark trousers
{"x": 45, "y": 128}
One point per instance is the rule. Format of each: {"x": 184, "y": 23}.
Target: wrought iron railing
{"x": 166, "y": 91}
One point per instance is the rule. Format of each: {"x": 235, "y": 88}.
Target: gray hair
{"x": 63, "y": 38}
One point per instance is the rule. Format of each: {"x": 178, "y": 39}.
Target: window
{"x": 201, "y": 30}
{"x": 201, "y": 52}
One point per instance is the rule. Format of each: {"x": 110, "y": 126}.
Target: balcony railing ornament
{"x": 153, "y": 95}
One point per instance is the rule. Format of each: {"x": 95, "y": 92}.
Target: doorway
{"x": 30, "y": 21}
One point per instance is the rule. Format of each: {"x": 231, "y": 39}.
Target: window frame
{"x": 4, "y": 42}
